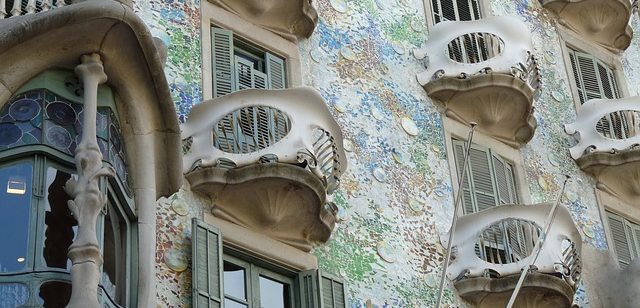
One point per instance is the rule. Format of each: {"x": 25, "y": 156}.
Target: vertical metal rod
{"x": 455, "y": 213}
{"x": 538, "y": 246}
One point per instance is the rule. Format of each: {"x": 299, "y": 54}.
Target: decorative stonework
{"x": 489, "y": 76}
{"x": 605, "y": 22}
{"x": 489, "y": 284}
{"x": 270, "y": 159}
{"x": 88, "y": 200}
{"x": 614, "y": 162}
{"x": 291, "y": 19}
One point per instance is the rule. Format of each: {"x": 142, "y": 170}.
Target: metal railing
{"x": 507, "y": 241}
{"x": 12, "y": 8}
{"x": 475, "y": 47}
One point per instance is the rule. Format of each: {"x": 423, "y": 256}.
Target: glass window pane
{"x": 274, "y": 294}
{"x": 114, "y": 253}
{"x": 54, "y": 294}
{"x": 231, "y": 304}
{"x": 60, "y": 226}
{"x": 234, "y": 283}
{"x": 15, "y": 204}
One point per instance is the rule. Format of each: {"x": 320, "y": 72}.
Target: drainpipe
{"x": 88, "y": 201}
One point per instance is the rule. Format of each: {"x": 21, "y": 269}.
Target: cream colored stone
{"x": 497, "y": 92}
{"x": 261, "y": 246}
{"x": 292, "y": 19}
{"x": 33, "y": 43}
{"x": 605, "y": 22}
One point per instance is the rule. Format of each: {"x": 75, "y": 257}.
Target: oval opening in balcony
{"x": 475, "y": 47}
{"x": 619, "y": 125}
{"x": 250, "y": 129}
{"x": 507, "y": 241}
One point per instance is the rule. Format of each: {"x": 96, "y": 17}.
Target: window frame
{"x": 609, "y": 203}
{"x": 483, "y": 5}
{"x": 455, "y": 130}
{"x": 214, "y": 16}
{"x": 569, "y": 40}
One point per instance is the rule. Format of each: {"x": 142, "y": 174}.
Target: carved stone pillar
{"x": 88, "y": 200}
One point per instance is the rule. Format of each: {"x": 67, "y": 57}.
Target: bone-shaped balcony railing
{"x": 499, "y": 241}
{"x": 292, "y": 126}
{"x": 496, "y": 45}
{"x": 606, "y": 125}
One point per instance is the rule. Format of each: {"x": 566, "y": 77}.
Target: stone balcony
{"x": 488, "y": 76}
{"x": 269, "y": 159}
{"x": 605, "y": 22}
{"x": 291, "y": 19}
{"x": 608, "y": 145}
{"x": 492, "y": 246}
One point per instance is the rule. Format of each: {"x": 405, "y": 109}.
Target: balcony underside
{"x": 538, "y": 290}
{"x": 603, "y": 21}
{"x": 501, "y": 104}
{"x": 282, "y": 201}
{"x": 617, "y": 173}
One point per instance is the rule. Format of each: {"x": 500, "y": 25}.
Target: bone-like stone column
{"x": 88, "y": 200}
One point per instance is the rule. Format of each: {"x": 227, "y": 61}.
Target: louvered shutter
{"x": 467, "y": 198}
{"x": 275, "y": 72}
{"x": 332, "y": 293}
{"x": 636, "y": 239}
{"x": 222, "y": 61}
{"x": 244, "y": 73}
{"x": 482, "y": 182}
{"x": 455, "y": 10}
{"x": 321, "y": 290}
{"x": 619, "y": 237}
{"x": 504, "y": 182}
{"x": 308, "y": 284}
{"x": 206, "y": 265}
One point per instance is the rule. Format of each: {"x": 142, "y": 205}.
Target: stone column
{"x": 88, "y": 200}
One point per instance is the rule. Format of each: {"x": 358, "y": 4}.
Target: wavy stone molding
{"x": 292, "y": 19}
{"x": 489, "y": 284}
{"x": 270, "y": 160}
{"x": 605, "y": 22}
{"x": 615, "y": 163}
{"x": 489, "y": 76}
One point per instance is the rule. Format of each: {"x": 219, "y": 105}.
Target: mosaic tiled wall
{"x": 396, "y": 197}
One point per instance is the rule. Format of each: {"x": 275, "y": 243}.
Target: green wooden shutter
{"x": 275, "y": 72}
{"x": 206, "y": 265}
{"x": 223, "y": 72}
{"x": 309, "y": 286}
{"x": 482, "y": 178}
{"x": 455, "y": 10}
{"x": 321, "y": 290}
{"x": 619, "y": 237}
{"x": 467, "y": 198}
{"x": 503, "y": 185}
{"x": 636, "y": 239}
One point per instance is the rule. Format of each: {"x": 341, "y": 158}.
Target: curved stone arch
{"x": 35, "y": 43}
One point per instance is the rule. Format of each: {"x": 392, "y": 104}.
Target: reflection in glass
{"x": 15, "y": 206}
{"x": 13, "y": 294}
{"x": 60, "y": 226}
{"x": 114, "y": 250}
{"x": 273, "y": 294}
{"x": 231, "y": 304}
{"x": 54, "y": 294}
{"x": 234, "y": 284}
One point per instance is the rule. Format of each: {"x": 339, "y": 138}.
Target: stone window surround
{"x": 454, "y": 129}
{"x": 213, "y": 15}
{"x": 572, "y": 40}
{"x": 608, "y": 202}
{"x": 485, "y": 11}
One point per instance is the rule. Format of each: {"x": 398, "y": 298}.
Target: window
{"x": 238, "y": 65}
{"x": 489, "y": 179}
{"x": 626, "y": 238}
{"x": 489, "y": 182}
{"x": 455, "y": 10}
{"x": 39, "y": 130}
{"x": 596, "y": 80}
{"x": 240, "y": 281}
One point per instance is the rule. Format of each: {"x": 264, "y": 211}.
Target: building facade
{"x": 295, "y": 153}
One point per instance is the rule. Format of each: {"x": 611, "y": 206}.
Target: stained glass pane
{"x": 15, "y": 209}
